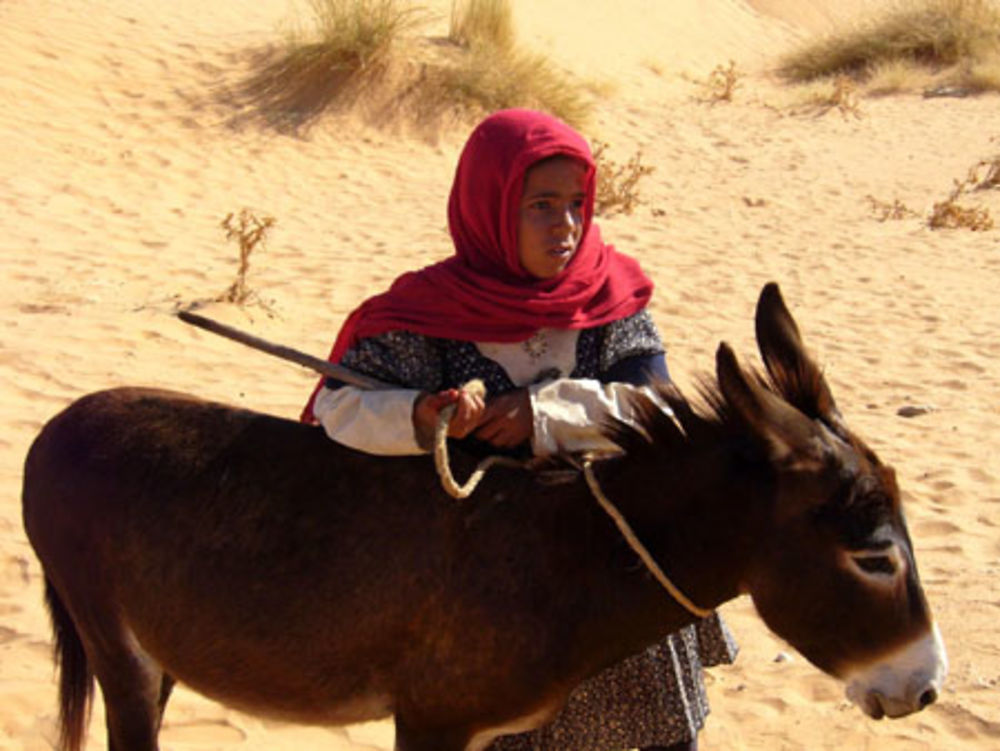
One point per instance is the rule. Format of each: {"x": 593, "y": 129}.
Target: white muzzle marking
{"x": 904, "y": 682}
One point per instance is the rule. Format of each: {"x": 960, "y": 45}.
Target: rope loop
{"x": 442, "y": 462}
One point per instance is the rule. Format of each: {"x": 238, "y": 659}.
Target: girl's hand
{"x": 507, "y": 420}
{"x": 468, "y": 413}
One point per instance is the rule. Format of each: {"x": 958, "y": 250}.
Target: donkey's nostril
{"x": 928, "y": 697}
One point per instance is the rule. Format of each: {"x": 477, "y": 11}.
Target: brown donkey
{"x": 263, "y": 565}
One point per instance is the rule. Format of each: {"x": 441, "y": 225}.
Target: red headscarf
{"x": 481, "y": 293}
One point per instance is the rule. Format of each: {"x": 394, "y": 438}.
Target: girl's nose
{"x": 566, "y": 219}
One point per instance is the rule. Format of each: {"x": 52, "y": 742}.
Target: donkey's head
{"x": 835, "y": 575}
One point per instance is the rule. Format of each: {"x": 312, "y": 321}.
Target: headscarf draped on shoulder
{"x": 481, "y": 293}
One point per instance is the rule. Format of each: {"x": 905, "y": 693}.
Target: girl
{"x": 554, "y": 321}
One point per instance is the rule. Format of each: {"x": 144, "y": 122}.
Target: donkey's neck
{"x": 699, "y": 520}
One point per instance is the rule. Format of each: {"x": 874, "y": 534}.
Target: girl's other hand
{"x": 468, "y": 413}
{"x": 507, "y": 420}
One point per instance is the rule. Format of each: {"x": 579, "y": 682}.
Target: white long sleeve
{"x": 377, "y": 422}
{"x": 568, "y": 413}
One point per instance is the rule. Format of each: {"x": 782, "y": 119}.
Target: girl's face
{"x": 550, "y": 223}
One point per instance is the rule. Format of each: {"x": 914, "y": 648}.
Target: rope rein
{"x": 636, "y": 545}
{"x": 461, "y": 492}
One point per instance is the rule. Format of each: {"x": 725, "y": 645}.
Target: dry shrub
{"x": 885, "y": 211}
{"x": 249, "y": 231}
{"x": 617, "y": 185}
{"x": 723, "y": 82}
{"x": 991, "y": 179}
{"x": 482, "y": 22}
{"x": 949, "y": 214}
{"x": 839, "y": 93}
{"x": 845, "y": 96}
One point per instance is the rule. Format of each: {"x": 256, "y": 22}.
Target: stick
{"x": 285, "y": 353}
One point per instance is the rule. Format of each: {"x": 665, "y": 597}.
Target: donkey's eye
{"x": 881, "y": 564}
{"x": 876, "y": 564}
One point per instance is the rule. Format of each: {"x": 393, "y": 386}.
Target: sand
{"x": 120, "y": 160}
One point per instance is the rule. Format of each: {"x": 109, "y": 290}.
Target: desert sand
{"x": 120, "y": 161}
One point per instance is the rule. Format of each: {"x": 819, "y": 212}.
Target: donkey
{"x": 275, "y": 571}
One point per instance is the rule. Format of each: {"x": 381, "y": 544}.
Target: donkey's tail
{"x": 76, "y": 681}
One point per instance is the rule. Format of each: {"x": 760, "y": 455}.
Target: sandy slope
{"x": 119, "y": 165}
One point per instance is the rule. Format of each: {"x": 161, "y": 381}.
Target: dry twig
{"x": 248, "y": 230}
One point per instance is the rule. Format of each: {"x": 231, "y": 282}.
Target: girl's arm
{"x": 381, "y": 422}
{"x": 568, "y": 412}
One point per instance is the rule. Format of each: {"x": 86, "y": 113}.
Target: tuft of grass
{"x": 249, "y": 231}
{"x": 490, "y": 78}
{"x": 617, "y": 185}
{"x": 491, "y": 72}
{"x": 922, "y": 33}
{"x": 351, "y": 45}
{"x": 357, "y": 34}
{"x": 364, "y": 53}
{"x": 482, "y": 22}
{"x": 982, "y": 75}
{"x": 896, "y": 76}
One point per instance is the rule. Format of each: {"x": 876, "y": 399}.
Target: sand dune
{"x": 120, "y": 163}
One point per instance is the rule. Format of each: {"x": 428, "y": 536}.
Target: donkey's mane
{"x": 682, "y": 429}
{"x": 693, "y": 426}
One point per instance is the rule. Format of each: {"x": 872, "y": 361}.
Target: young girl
{"x": 554, "y": 321}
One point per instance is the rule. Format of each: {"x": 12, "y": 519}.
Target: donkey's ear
{"x": 790, "y": 436}
{"x": 794, "y": 372}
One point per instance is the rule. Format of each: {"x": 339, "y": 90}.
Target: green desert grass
{"x": 491, "y": 71}
{"x": 482, "y": 22}
{"x": 487, "y": 78}
{"x": 349, "y": 46}
{"x": 912, "y": 44}
{"x": 371, "y": 54}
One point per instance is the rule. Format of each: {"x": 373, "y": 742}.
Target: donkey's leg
{"x": 132, "y": 683}
{"x": 132, "y": 686}
{"x": 166, "y": 686}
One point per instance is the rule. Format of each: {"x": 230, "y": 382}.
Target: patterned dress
{"x": 656, "y": 697}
